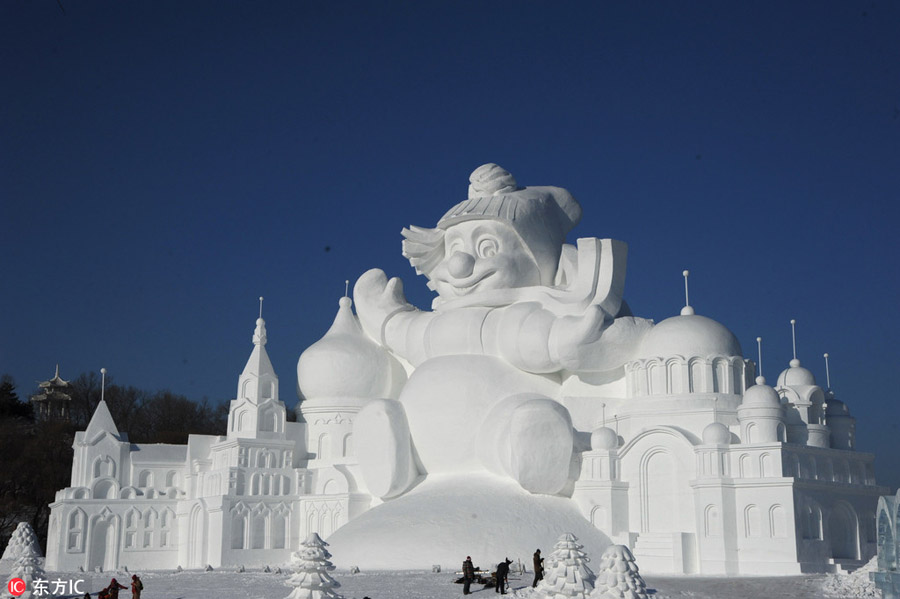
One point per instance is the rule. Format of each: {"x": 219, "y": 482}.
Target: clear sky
{"x": 163, "y": 164}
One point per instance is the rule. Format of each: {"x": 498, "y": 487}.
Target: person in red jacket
{"x": 112, "y": 591}
{"x": 136, "y": 587}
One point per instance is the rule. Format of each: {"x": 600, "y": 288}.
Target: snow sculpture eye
{"x": 487, "y": 247}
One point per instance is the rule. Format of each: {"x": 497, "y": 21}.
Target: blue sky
{"x": 164, "y": 164}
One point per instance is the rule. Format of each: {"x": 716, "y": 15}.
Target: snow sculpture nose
{"x": 460, "y": 265}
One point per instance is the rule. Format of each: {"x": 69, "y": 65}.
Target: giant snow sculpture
{"x": 526, "y": 402}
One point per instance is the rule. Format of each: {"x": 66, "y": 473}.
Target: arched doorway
{"x": 659, "y": 499}
{"x": 197, "y": 538}
{"x": 843, "y": 532}
{"x": 103, "y": 543}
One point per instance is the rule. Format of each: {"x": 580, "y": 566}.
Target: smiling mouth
{"x": 467, "y": 287}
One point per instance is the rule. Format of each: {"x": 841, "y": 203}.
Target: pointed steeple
{"x": 258, "y": 380}
{"x": 256, "y": 408}
{"x": 101, "y": 421}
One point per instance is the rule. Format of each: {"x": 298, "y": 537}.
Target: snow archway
{"x": 658, "y": 491}
{"x": 843, "y": 532}
{"x": 103, "y": 542}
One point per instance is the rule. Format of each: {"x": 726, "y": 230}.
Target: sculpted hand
{"x": 378, "y": 298}
{"x": 571, "y": 334}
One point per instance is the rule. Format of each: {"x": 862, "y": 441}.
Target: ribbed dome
{"x": 689, "y": 335}
{"x": 716, "y": 433}
{"x": 346, "y": 363}
{"x": 604, "y": 438}
{"x": 795, "y": 376}
{"x": 761, "y": 395}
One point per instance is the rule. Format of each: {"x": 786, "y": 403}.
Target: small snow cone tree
{"x": 567, "y": 574}
{"x": 312, "y": 579}
{"x": 22, "y": 541}
{"x": 28, "y": 568}
{"x": 618, "y": 576}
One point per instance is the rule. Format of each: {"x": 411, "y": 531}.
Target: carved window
{"x": 132, "y": 523}
{"x": 75, "y": 537}
{"x": 777, "y": 522}
{"x": 167, "y": 529}
{"x": 751, "y": 521}
{"x": 150, "y": 520}
{"x": 238, "y": 524}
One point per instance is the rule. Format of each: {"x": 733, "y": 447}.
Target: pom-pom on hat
{"x": 541, "y": 215}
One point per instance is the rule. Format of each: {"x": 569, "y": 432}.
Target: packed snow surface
{"x": 449, "y": 517}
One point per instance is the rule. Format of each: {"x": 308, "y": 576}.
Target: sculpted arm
{"x": 524, "y": 334}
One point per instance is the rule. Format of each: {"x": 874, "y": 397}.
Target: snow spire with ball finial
{"x": 687, "y": 310}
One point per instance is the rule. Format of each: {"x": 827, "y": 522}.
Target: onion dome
{"x": 689, "y": 335}
{"x": 346, "y": 363}
{"x": 761, "y": 395}
{"x": 796, "y": 376}
{"x": 604, "y": 438}
{"x": 716, "y": 433}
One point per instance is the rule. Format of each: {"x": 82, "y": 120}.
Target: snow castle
{"x": 527, "y": 402}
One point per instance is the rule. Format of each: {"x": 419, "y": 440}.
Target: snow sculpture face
{"x": 481, "y": 255}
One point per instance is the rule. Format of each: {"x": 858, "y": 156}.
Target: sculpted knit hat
{"x": 542, "y": 216}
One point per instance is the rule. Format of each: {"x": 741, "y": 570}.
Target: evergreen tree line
{"x": 37, "y": 455}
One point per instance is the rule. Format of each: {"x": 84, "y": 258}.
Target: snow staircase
{"x": 664, "y": 552}
{"x": 845, "y": 565}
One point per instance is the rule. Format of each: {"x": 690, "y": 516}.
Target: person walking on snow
{"x": 502, "y": 573}
{"x": 468, "y": 574}
{"x": 112, "y": 591}
{"x": 136, "y": 587}
{"x": 538, "y": 568}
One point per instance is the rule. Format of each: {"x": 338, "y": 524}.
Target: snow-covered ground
{"x": 255, "y": 584}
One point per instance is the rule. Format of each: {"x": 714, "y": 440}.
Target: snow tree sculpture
{"x": 567, "y": 574}
{"x": 23, "y": 540}
{"x": 28, "y": 568}
{"x": 618, "y": 576}
{"x": 312, "y": 579}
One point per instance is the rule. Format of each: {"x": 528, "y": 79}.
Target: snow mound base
{"x": 446, "y": 518}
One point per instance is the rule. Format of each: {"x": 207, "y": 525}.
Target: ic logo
{"x": 16, "y": 587}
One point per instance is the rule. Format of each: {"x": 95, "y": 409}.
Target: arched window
{"x": 75, "y": 542}
{"x": 324, "y": 449}
{"x": 150, "y": 518}
{"x": 348, "y": 445}
{"x": 132, "y": 520}
{"x": 777, "y": 522}
{"x": 145, "y": 479}
{"x": 279, "y": 526}
{"x": 238, "y": 522}
{"x": 167, "y": 529}
{"x": 713, "y": 524}
{"x": 258, "y": 531}
{"x": 766, "y": 466}
{"x": 745, "y": 469}
{"x": 751, "y": 521}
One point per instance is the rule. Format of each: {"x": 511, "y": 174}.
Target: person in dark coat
{"x": 502, "y": 573}
{"x": 468, "y": 574}
{"x": 112, "y": 591}
{"x": 136, "y": 587}
{"x": 538, "y": 568}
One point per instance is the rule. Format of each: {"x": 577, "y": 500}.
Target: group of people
{"x": 502, "y": 575}
{"x": 112, "y": 591}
